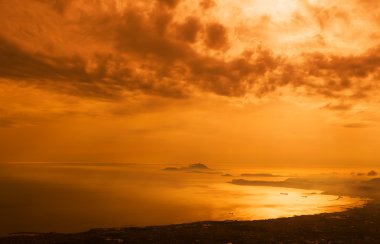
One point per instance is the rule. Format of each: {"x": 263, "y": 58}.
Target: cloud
{"x": 216, "y": 36}
{"x": 73, "y": 76}
{"x": 41, "y": 70}
{"x": 340, "y": 73}
{"x": 340, "y": 106}
{"x": 207, "y": 4}
{"x": 171, "y": 48}
{"x": 6, "y": 122}
{"x": 189, "y": 30}
{"x": 169, "y": 3}
{"x": 355, "y": 125}
{"x": 226, "y": 175}
{"x": 259, "y": 175}
{"x": 144, "y": 56}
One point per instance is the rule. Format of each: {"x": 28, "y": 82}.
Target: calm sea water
{"x": 44, "y": 197}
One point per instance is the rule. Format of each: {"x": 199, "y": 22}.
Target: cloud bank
{"x": 105, "y": 49}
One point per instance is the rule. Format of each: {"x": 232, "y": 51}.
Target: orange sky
{"x": 254, "y": 82}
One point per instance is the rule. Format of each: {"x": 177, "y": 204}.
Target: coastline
{"x": 354, "y": 225}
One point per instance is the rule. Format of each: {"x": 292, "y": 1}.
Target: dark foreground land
{"x": 358, "y": 225}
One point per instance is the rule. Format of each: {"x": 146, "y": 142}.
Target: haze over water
{"x": 61, "y": 197}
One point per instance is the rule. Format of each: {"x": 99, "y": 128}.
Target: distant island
{"x": 193, "y": 168}
{"x": 196, "y": 166}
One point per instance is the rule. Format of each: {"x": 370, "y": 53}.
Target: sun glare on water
{"x": 257, "y": 202}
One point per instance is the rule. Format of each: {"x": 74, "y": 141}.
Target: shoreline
{"x": 354, "y": 225}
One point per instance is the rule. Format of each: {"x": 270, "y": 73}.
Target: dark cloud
{"x": 207, "y": 4}
{"x": 355, "y": 125}
{"x": 342, "y": 67}
{"x": 233, "y": 78}
{"x": 341, "y": 78}
{"x": 69, "y": 74}
{"x": 216, "y": 36}
{"x": 141, "y": 36}
{"x": 343, "y": 73}
{"x": 168, "y": 59}
{"x": 226, "y": 175}
{"x": 189, "y": 30}
{"x": 169, "y": 3}
{"x": 339, "y": 106}
{"x": 60, "y": 5}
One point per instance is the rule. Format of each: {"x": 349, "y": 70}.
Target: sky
{"x": 267, "y": 83}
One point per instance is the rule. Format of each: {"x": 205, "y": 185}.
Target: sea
{"x": 75, "y": 197}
